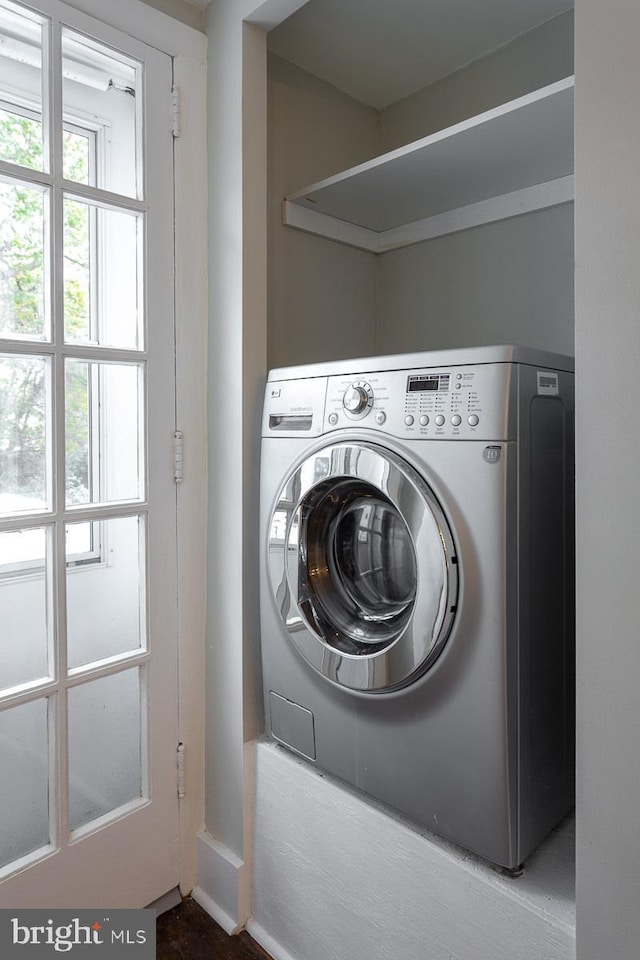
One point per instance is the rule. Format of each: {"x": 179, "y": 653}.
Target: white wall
{"x": 336, "y": 878}
{"x": 608, "y": 466}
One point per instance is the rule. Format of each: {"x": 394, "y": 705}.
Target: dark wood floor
{"x": 188, "y": 933}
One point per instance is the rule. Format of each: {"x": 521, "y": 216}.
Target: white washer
{"x": 417, "y": 585}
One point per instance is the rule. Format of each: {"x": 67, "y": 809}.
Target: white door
{"x": 88, "y": 671}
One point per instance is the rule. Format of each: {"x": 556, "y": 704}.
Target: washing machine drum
{"x": 363, "y": 567}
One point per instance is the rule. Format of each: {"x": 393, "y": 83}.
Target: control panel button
{"x": 456, "y": 420}
{"x": 333, "y": 419}
{"x": 357, "y": 399}
{"x": 381, "y": 417}
{"x": 409, "y": 420}
{"x": 439, "y": 420}
{"x": 473, "y": 420}
{"x": 424, "y": 420}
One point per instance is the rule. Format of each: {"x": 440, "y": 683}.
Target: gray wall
{"x": 608, "y": 466}
{"x": 508, "y": 282}
{"x": 182, "y": 10}
{"x": 321, "y": 296}
{"x": 541, "y": 56}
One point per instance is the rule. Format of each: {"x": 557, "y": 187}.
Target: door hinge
{"x": 180, "y": 771}
{"x": 178, "y": 457}
{"x": 175, "y": 111}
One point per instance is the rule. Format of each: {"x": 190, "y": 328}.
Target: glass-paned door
{"x": 88, "y": 650}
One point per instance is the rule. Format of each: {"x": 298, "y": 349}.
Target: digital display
{"x": 419, "y": 384}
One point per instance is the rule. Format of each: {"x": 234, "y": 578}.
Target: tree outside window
{"x": 23, "y": 312}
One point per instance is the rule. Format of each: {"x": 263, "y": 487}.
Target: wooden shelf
{"x": 510, "y": 160}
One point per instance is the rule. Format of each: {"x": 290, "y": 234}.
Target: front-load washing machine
{"x": 417, "y": 585}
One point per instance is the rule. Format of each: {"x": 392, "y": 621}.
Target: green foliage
{"x": 21, "y": 260}
{"x": 75, "y": 160}
{"x": 21, "y": 140}
{"x": 22, "y": 418}
{"x": 24, "y": 257}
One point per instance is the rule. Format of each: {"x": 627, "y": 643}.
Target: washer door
{"x": 362, "y": 567}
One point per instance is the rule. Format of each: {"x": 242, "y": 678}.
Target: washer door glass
{"x": 359, "y": 576}
{"x": 363, "y": 567}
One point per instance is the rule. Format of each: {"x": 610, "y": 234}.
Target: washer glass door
{"x": 367, "y": 581}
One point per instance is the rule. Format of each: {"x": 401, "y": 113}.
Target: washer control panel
{"x": 458, "y": 402}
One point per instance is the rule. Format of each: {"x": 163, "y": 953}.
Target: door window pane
{"x": 78, "y": 154}
{"x": 23, "y": 261}
{"x": 103, "y": 84}
{"x": 24, "y": 606}
{"x": 103, "y": 432}
{"x": 24, "y": 405}
{"x": 102, "y": 275}
{"x": 105, "y": 760}
{"x": 24, "y": 784}
{"x": 21, "y": 129}
{"x": 105, "y": 590}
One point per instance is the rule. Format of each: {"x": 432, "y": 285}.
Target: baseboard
{"x": 215, "y": 911}
{"x": 267, "y": 942}
{"x": 223, "y": 887}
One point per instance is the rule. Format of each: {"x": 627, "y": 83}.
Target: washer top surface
{"x": 430, "y": 358}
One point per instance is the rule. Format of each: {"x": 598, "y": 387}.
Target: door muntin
{"x": 363, "y": 567}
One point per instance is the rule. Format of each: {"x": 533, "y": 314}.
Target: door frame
{"x": 188, "y": 49}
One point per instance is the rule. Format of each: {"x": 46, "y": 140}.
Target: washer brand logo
{"x": 492, "y": 454}
{"x": 37, "y": 933}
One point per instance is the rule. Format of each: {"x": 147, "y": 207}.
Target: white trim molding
{"x": 538, "y": 197}
{"x": 224, "y": 886}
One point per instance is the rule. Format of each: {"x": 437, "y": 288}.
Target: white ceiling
{"x": 379, "y": 51}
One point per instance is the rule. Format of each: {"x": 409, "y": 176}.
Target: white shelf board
{"x": 519, "y": 155}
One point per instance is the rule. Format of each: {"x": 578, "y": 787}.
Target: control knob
{"x": 357, "y": 399}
